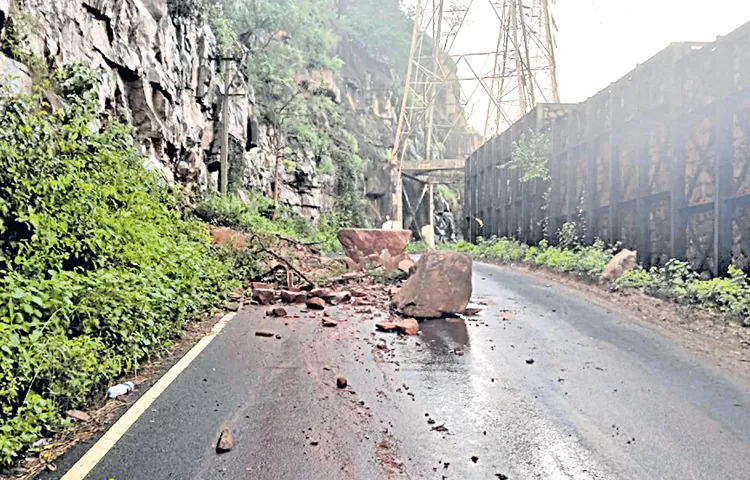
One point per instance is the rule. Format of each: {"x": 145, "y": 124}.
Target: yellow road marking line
{"x": 87, "y": 463}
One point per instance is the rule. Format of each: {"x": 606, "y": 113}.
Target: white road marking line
{"x": 87, "y": 463}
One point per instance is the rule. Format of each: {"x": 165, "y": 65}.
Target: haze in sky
{"x": 599, "y": 41}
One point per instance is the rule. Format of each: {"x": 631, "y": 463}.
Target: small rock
{"x": 329, "y": 323}
{"x": 475, "y": 459}
{"x": 529, "y": 361}
{"x": 78, "y": 415}
{"x": 472, "y": 311}
{"x": 386, "y": 326}
{"x": 278, "y": 336}
{"x": 440, "y": 428}
{"x": 321, "y": 292}
{"x": 225, "y": 441}
{"x": 501, "y": 476}
{"x": 408, "y": 326}
{"x": 277, "y": 312}
{"x": 341, "y": 382}
{"x": 264, "y": 296}
{"x": 264, "y": 333}
{"x": 316, "y": 303}
{"x": 232, "y": 306}
{"x": 292, "y": 296}
{"x": 314, "y": 443}
{"x": 431, "y": 421}
{"x": 405, "y": 265}
{"x": 339, "y": 297}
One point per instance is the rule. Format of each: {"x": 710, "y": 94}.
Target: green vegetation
{"x": 15, "y": 42}
{"x": 531, "y": 155}
{"x": 676, "y": 281}
{"x": 255, "y": 216}
{"x": 98, "y": 270}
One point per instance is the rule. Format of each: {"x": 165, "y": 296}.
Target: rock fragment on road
{"x": 277, "y": 312}
{"x": 264, "y": 333}
{"x": 316, "y": 303}
{"x": 264, "y": 296}
{"x": 293, "y": 296}
{"x": 341, "y": 382}
{"x": 225, "y": 442}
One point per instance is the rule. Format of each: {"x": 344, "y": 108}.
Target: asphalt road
{"x": 604, "y": 398}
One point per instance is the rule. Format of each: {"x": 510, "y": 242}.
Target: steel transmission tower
{"x": 507, "y": 79}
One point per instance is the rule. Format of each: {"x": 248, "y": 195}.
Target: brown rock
{"x": 225, "y": 441}
{"x": 316, "y": 303}
{"x": 227, "y": 236}
{"x": 351, "y": 265}
{"x": 232, "y": 306}
{"x": 321, "y": 292}
{"x": 277, "y": 312}
{"x": 78, "y": 415}
{"x": 386, "y": 326}
{"x": 264, "y": 296}
{"x": 330, "y": 323}
{"x": 293, "y": 296}
{"x": 622, "y": 262}
{"x": 472, "y": 311}
{"x": 341, "y": 382}
{"x": 264, "y": 333}
{"x": 441, "y": 284}
{"x": 360, "y": 243}
{"x": 405, "y": 265}
{"x": 408, "y": 326}
{"x": 339, "y": 297}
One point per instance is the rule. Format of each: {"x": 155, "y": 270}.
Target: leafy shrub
{"x": 98, "y": 271}
{"x": 675, "y": 281}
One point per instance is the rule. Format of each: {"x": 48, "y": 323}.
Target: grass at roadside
{"x": 676, "y": 281}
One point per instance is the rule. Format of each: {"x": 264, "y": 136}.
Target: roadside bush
{"x": 676, "y": 281}
{"x": 255, "y": 215}
{"x": 98, "y": 271}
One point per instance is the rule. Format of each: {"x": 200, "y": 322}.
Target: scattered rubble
{"x": 293, "y": 296}
{"x": 264, "y": 296}
{"x": 232, "y": 306}
{"x": 225, "y": 442}
{"x": 441, "y": 284}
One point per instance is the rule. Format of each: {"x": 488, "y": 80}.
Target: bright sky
{"x": 600, "y": 41}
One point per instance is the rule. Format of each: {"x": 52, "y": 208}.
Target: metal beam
{"x": 434, "y": 165}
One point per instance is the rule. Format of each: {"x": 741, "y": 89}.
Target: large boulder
{"x": 440, "y": 284}
{"x": 361, "y": 243}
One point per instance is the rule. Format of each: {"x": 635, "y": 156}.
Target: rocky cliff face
{"x": 163, "y": 74}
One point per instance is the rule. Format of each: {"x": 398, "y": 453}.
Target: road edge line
{"x": 93, "y": 456}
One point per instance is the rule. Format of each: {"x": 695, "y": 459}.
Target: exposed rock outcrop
{"x": 162, "y": 74}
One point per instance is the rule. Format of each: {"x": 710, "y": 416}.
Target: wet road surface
{"x": 604, "y": 398}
